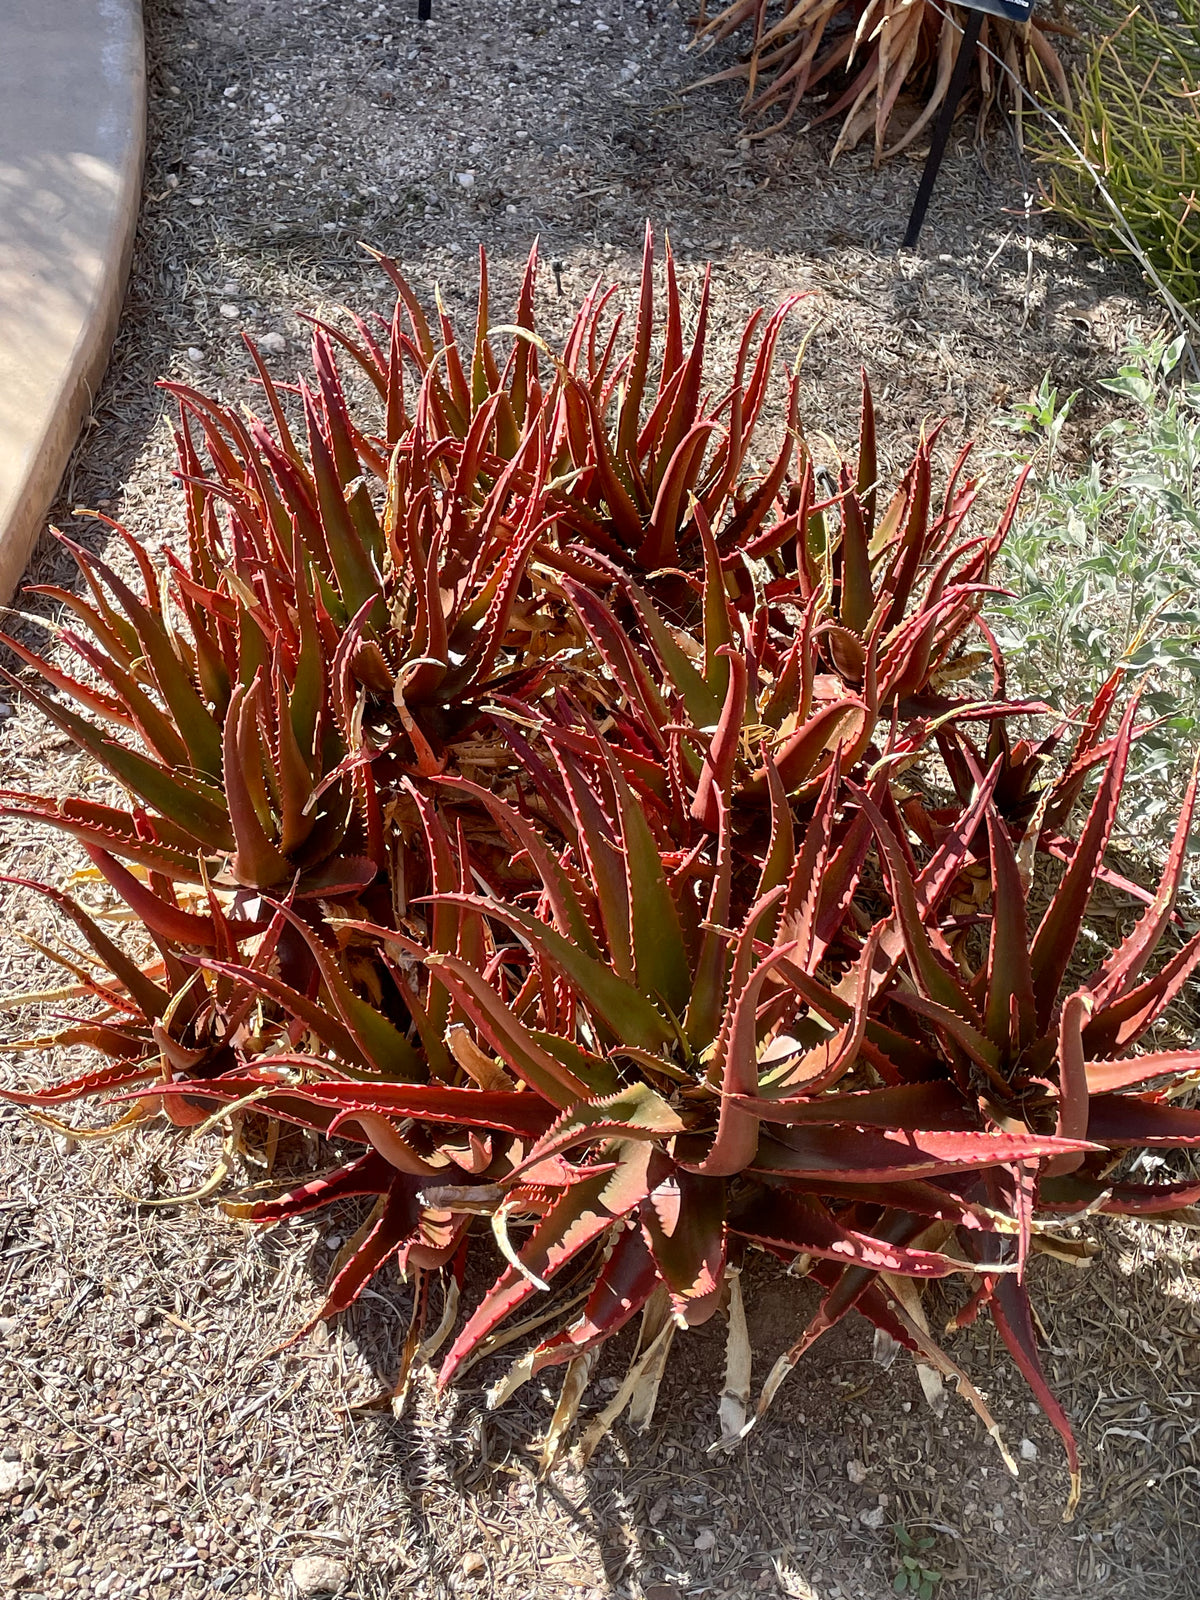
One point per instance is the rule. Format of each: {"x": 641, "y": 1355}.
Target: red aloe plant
{"x": 515, "y": 796}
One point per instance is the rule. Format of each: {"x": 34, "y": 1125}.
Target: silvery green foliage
{"x": 1105, "y": 565}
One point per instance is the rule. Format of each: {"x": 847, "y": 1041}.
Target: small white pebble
{"x": 195, "y": 354}
{"x": 229, "y": 311}
{"x": 233, "y": 91}
{"x": 313, "y": 1575}
{"x": 274, "y": 342}
{"x": 466, "y": 179}
{"x": 856, "y": 1472}
{"x": 1028, "y": 1450}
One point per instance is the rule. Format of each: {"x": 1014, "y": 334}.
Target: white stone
{"x": 314, "y": 1575}
{"x": 466, "y": 179}
{"x": 229, "y": 311}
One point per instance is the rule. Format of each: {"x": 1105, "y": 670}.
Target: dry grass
{"x": 153, "y": 1439}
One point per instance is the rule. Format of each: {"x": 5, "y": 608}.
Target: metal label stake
{"x": 1012, "y": 11}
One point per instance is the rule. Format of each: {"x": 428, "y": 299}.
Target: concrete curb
{"x": 72, "y": 142}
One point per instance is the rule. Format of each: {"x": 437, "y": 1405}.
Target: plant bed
{"x": 415, "y": 1504}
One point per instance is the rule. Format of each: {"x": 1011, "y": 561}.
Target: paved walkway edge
{"x": 72, "y": 145}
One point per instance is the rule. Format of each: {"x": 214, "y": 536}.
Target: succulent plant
{"x": 543, "y": 810}
{"x": 862, "y": 57}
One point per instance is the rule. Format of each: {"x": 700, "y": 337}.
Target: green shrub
{"x": 1105, "y": 565}
{"x": 1137, "y": 125}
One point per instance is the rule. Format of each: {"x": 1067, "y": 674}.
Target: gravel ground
{"x": 154, "y": 1438}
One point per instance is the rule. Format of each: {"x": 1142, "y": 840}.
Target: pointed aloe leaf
{"x": 857, "y": 600}
{"x": 625, "y": 1282}
{"x": 1129, "y": 1120}
{"x": 369, "y": 1174}
{"x": 569, "y": 915}
{"x": 660, "y": 957}
{"x": 938, "y": 981}
{"x": 800, "y": 1223}
{"x": 700, "y": 699}
{"x": 1074, "y": 1086}
{"x": 112, "y": 830}
{"x": 635, "y": 384}
{"x": 684, "y": 1224}
{"x": 525, "y": 1115}
{"x": 1013, "y": 1315}
{"x": 660, "y": 547}
{"x": 388, "y": 1051}
{"x": 735, "y": 1060}
{"x": 718, "y": 621}
{"x": 798, "y": 755}
{"x": 587, "y": 1210}
{"x": 163, "y": 919}
{"x": 877, "y": 1155}
{"x": 191, "y": 716}
{"x": 1123, "y": 1022}
{"x": 702, "y": 1020}
{"x": 633, "y": 1113}
{"x": 1127, "y": 961}
{"x": 913, "y": 1106}
{"x": 150, "y": 999}
{"x": 868, "y": 460}
{"x": 1010, "y": 1020}
{"x": 103, "y": 1081}
{"x": 518, "y": 1047}
{"x": 258, "y": 862}
{"x": 1105, "y": 1077}
{"x": 398, "y": 1223}
{"x": 720, "y": 759}
{"x": 1057, "y": 934}
{"x": 196, "y": 807}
